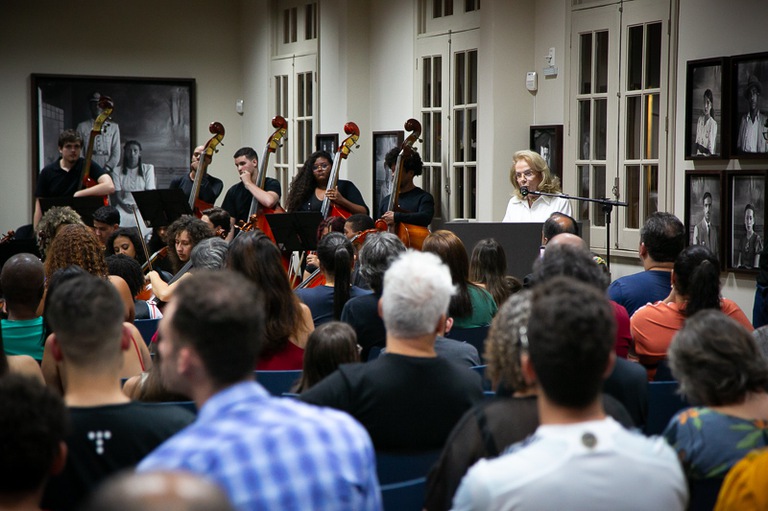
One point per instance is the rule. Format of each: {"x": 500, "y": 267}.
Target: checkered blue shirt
{"x": 275, "y": 453}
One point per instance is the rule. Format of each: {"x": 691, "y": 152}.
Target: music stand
{"x": 84, "y": 206}
{"x": 295, "y": 232}
{"x": 161, "y": 207}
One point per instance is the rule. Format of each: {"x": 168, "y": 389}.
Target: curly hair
{"x": 195, "y": 228}
{"x": 132, "y": 234}
{"x": 51, "y": 221}
{"x": 76, "y": 244}
{"x": 127, "y": 268}
{"x": 304, "y": 182}
{"x": 502, "y": 346}
{"x": 549, "y": 183}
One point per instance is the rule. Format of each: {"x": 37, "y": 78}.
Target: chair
{"x": 187, "y": 405}
{"x": 663, "y": 372}
{"x": 663, "y": 403}
{"x": 404, "y": 496}
{"x": 277, "y": 382}
{"x": 481, "y": 371}
{"x": 704, "y": 493}
{"x": 474, "y": 336}
{"x": 397, "y": 468}
{"x": 147, "y": 328}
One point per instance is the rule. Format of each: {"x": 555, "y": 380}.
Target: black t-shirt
{"x": 210, "y": 187}
{"x": 107, "y": 439}
{"x": 53, "y": 181}
{"x": 405, "y": 403}
{"x": 362, "y": 313}
{"x": 418, "y": 207}
{"x": 346, "y": 188}
{"x": 237, "y": 201}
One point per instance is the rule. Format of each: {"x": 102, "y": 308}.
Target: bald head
{"x": 567, "y": 239}
{"x": 159, "y": 491}
{"x": 22, "y": 282}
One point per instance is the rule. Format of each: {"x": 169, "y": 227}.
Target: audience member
{"x": 22, "y": 281}
{"x": 408, "y": 399}
{"x": 283, "y": 453}
{"x": 329, "y": 346}
{"x": 50, "y": 223}
{"x": 746, "y": 487}
{"x": 578, "y": 457}
{"x": 719, "y": 366}
{"x": 488, "y": 269}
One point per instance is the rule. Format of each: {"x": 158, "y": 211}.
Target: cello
{"x": 329, "y": 208}
{"x": 86, "y": 181}
{"x": 195, "y": 203}
{"x": 411, "y": 235}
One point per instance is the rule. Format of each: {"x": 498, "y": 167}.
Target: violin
{"x": 9, "y": 236}
{"x": 411, "y": 235}
{"x": 195, "y": 203}
{"x": 328, "y": 208}
{"x": 86, "y": 181}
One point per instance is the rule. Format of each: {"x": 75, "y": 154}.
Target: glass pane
{"x": 651, "y": 132}
{"x": 309, "y": 138}
{"x": 653, "y": 56}
{"x": 448, "y": 7}
{"x": 582, "y": 171}
{"x": 437, "y": 82}
{"x": 300, "y": 142}
{"x": 294, "y": 23}
{"x": 634, "y": 127}
{"x": 427, "y": 80}
{"x": 585, "y": 80}
{"x": 601, "y": 64}
{"x": 651, "y": 191}
{"x": 427, "y": 129}
{"x": 437, "y": 137}
{"x": 310, "y": 96}
{"x": 601, "y": 128}
{"x": 278, "y": 91}
{"x": 472, "y": 198}
{"x": 437, "y": 9}
{"x": 598, "y": 193}
{"x": 458, "y": 137}
{"x": 436, "y": 189}
{"x": 308, "y": 21}
{"x": 472, "y": 78}
{"x": 635, "y": 58}
{"x": 458, "y": 96}
{"x": 459, "y": 193}
{"x": 286, "y": 25}
{"x": 585, "y": 127}
{"x": 472, "y": 112}
{"x": 632, "y": 194}
{"x": 300, "y": 94}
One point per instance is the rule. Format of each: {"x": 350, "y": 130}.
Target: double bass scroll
{"x": 195, "y": 203}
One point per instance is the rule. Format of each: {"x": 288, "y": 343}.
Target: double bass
{"x": 411, "y": 235}
{"x": 329, "y": 208}
{"x": 86, "y": 181}
{"x": 195, "y": 203}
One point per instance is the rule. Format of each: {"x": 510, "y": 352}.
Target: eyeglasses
{"x": 528, "y": 174}
{"x": 321, "y": 166}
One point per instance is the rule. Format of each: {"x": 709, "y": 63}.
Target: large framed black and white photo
{"x": 704, "y": 210}
{"x": 158, "y": 113}
{"x": 548, "y": 142}
{"x": 383, "y": 142}
{"x": 706, "y": 109}
{"x": 746, "y": 219}
{"x": 749, "y": 100}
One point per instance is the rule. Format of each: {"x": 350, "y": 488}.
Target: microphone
{"x": 524, "y": 191}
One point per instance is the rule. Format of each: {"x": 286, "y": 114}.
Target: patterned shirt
{"x": 275, "y": 453}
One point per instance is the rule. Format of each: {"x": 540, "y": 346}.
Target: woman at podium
{"x": 530, "y": 174}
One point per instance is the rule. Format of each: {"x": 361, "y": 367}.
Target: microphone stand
{"x": 607, "y": 204}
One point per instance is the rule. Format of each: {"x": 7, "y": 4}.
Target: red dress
{"x": 289, "y": 358}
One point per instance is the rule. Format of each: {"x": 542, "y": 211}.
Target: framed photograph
{"x": 548, "y": 142}
{"x": 327, "y": 142}
{"x": 705, "y": 112}
{"x": 157, "y": 113}
{"x": 746, "y": 219}
{"x": 704, "y": 210}
{"x": 383, "y": 142}
{"x": 749, "y": 129}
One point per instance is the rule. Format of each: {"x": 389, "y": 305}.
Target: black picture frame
{"x": 327, "y": 142}
{"x": 703, "y": 187}
{"x": 383, "y": 142}
{"x": 749, "y": 139}
{"x": 547, "y": 140}
{"x": 707, "y": 80}
{"x": 745, "y": 188}
{"x": 157, "y": 112}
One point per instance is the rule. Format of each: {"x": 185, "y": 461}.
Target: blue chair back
{"x": 704, "y": 493}
{"x": 397, "y": 468}
{"x": 481, "y": 371}
{"x": 187, "y": 405}
{"x": 663, "y": 403}
{"x": 277, "y": 382}
{"x": 147, "y": 328}
{"x": 474, "y": 336}
{"x": 404, "y": 496}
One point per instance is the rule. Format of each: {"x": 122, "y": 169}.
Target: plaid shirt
{"x": 275, "y": 453}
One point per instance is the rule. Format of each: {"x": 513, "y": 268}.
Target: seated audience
{"x": 22, "y": 281}
{"x": 471, "y": 306}
{"x": 265, "y": 452}
{"x": 408, "y": 399}
{"x": 356, "y": 229}
{"x": 488, "y": 269}
{"x": 49, "y": 225}
{"x": 329, "y": 346}
{"x": 109, "y": 432}
{"x": 33, "y": 425}
{"x": 578, "y": 458}
{"x": 288, "y": 321}
{"x": 746, "y": 486}
{"x": 718, "y": 365}
{"x": 695, "y": 287}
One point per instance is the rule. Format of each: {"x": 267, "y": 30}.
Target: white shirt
{"x": 518, "y": 210}
{"x": 596, "y": 465}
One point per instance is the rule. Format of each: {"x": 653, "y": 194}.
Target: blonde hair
{"x": 549, "y": 183}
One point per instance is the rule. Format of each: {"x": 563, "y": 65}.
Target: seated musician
{"x": 210, "y": 186}
{"x": 238, "y": 199}
{"x": 308, "y": 188}
{"x": 219, "y": 220}
{"x": 62, "y": 178}
{"x": 417, "y": 205}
